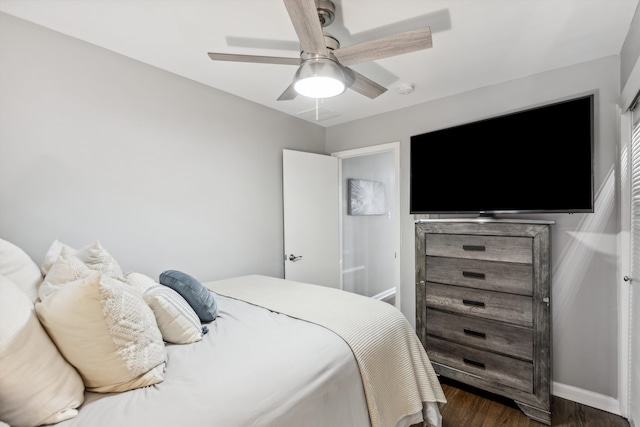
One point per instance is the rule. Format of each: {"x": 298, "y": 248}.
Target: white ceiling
{"x": 476, "y": 43}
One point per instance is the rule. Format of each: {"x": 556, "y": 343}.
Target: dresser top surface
{"x": 482, "y": 220}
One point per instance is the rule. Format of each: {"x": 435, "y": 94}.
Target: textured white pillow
{"x": 18, "y": 267}
{"x": 177, "y": 321}
{"x": 140, "y": 282}
{"x": 65, "y": 269}
{"x": 106, "y": 331}
{"x": 97, "y": 258}
{"x": 37, "y": 386}
{"x": 53, "y": 253}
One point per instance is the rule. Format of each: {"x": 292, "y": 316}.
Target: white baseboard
{"x": 586, "y": 397}
{"x": 385, "y": 294}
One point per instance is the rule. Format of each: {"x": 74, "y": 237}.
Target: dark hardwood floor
{"x": 469, "y": 407}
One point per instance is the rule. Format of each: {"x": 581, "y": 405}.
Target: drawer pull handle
{"x": 477, "y": 248}
{"x": 473, "y": 362}
{"x": 472, "y": 302}
{"x": 471, "y": 332}
{"x": 473, "y": 274}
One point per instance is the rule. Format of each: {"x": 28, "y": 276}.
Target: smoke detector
{"x": 404, "y": 88}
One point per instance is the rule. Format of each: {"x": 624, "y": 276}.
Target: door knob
{"x": 294, "y": 258}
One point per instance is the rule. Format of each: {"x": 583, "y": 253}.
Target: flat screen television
{"x": 538, "y": 160}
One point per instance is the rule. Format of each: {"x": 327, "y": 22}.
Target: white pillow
{"x": 65, "y": 269}
{"x": 97, "y": 258}
{"x": 106, "y": 331}
{"x": 18, "y": 267}
{"x": 177, "y": 321}
{"x": 94, "y": 255}
{"x": 52, "y": 255}
{"x": 37, "y": 385}
{"x": 140, "y": 282}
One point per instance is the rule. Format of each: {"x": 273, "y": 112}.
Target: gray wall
{"x": 630, "y": 49}
{"x": 583, "y": 245}
{"x": 165, "y": 172}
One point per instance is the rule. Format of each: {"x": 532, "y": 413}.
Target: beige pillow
{"x": 18, "y": 267}
{"x": 65, "y": 269}
{"x": 97, "y": 258}
{"x": 37, "y": 385}
{"x": 53, "y": 253}
{"x": 177, "y": 321}
{"x": 106, "y": 331}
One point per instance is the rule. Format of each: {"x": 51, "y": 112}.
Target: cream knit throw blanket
{"x": 396, "y": 373}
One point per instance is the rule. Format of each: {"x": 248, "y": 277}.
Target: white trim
{"x": 385, "y": 294}
{"x": 340, "y": 225}
{"x": 624, "y": 262}
{"x": 631, "y": 88}
{"x": 625, "y": 123}
{"x": 373, "y": 149}
{"x": 586, "y": 397}
{"x": 353, "y": 269}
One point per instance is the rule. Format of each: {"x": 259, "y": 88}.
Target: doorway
{"x": 370, "y": 242}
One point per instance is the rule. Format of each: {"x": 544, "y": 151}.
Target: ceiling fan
{"x": 323, "y": 69}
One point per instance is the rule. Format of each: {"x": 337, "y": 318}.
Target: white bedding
{"x": 398, "y": 378}
{"x": 253, "y": 368}
{"x": 256, "y": 367}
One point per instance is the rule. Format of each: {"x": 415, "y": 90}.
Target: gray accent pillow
{"x": 198, "y": 297}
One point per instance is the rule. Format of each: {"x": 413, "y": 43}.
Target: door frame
{"x": 624, "y": 263}
{"x": 393, "y": 147}
{"x": 625, "y": 121}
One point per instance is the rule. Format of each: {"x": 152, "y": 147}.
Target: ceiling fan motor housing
{"x": 326, "y": 11}
{"x": 331, "y": 42}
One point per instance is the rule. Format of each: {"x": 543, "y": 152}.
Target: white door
{"x": 634, "y": 284}
{"x": 311, "y": 218}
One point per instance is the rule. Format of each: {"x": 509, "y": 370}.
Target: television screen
{"x": 538, "y": 160}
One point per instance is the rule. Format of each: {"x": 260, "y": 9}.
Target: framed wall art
{"x": 366, "y": 198}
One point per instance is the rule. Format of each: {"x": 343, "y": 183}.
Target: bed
{"x": 278, "y": 353}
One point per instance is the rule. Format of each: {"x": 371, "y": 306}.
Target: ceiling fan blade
{"x": 385, "y": 47}
{"x": 305, "y": 20}
{"x": 264, "y": 43}
{"x": 288, "y": 94}
{"x": 363, "y": 85}
{"x": 253, "y": 58}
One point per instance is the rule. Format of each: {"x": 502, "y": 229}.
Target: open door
{"x": 311, "y": 218}
{"x": 634, "y": 281}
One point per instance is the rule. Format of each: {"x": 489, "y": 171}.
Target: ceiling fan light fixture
{"x": 319, "y": 78}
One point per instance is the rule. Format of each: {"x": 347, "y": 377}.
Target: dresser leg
{"x": 537, "y": 414}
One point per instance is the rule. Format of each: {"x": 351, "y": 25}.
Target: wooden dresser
{"x": 483, "y": 306}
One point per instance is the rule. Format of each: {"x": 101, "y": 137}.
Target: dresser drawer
{"x": 493, "y": 336}
{"x": 492, "y": 248}
{"x": 490, "y": 366}
{"x": 510, "y": 308}
{"x": 490, "y": 275}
